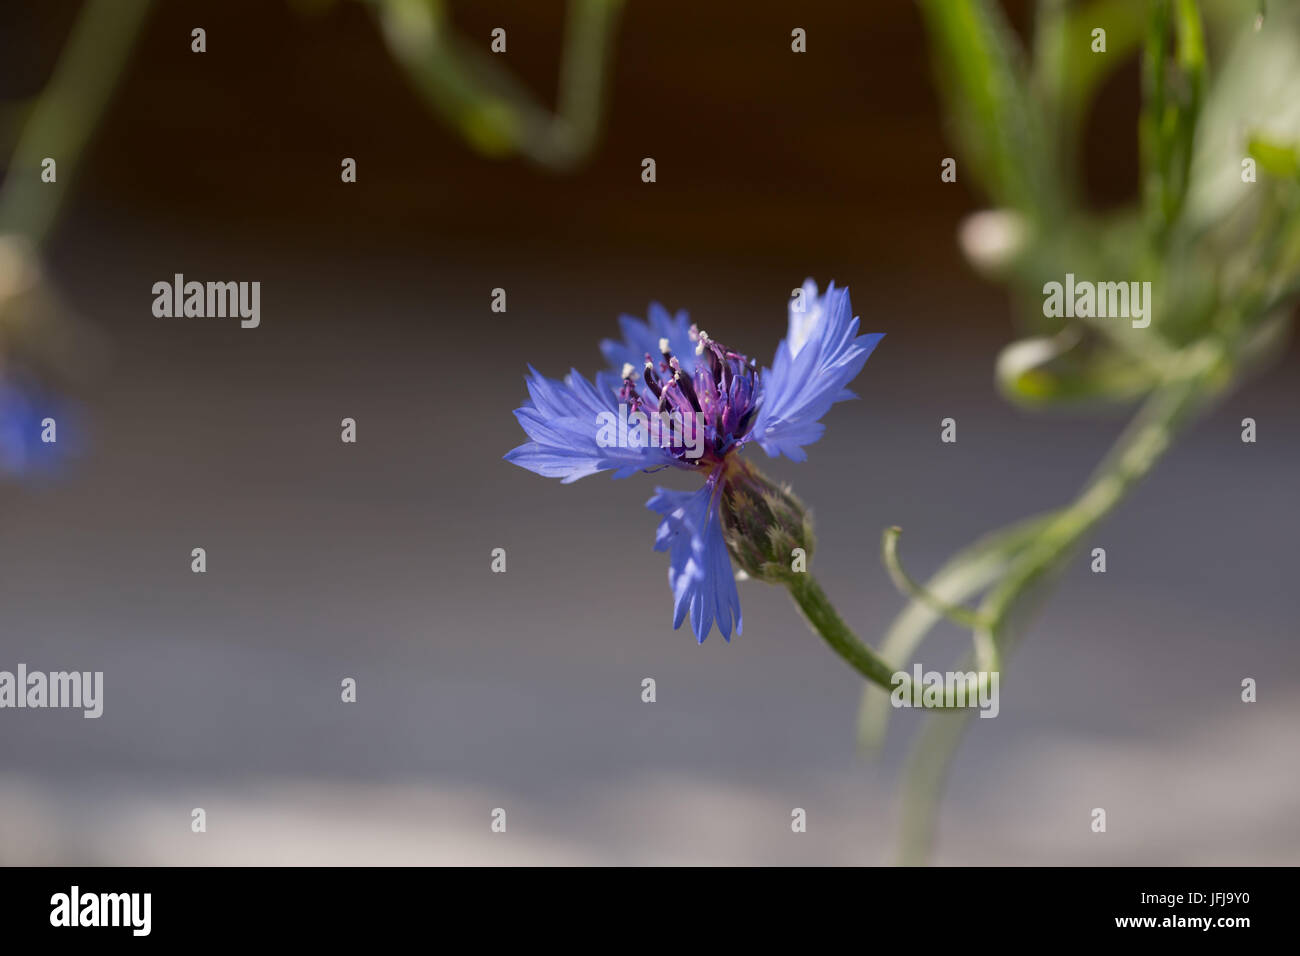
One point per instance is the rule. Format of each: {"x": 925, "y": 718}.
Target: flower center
{"x": 721, "y": 395}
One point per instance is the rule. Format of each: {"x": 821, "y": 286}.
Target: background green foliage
{"x": 1220, "y": 84}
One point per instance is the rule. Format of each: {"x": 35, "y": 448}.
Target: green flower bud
{"x": 767, "y": 529}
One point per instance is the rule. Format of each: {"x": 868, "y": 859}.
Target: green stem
{"x": 65, "y": 114}
{"x": 986, "y": 652}
{"x": 968, "y": 573}
{"x": 959, "y": 615}
{"x": 924, "y": 777}
{"x": 491, "y": 107}
{"x": 823, "y": 618}
{"x": 827, "y": 623}
{"x": 588, "y": 36}
{"x": 1201, "y": 372}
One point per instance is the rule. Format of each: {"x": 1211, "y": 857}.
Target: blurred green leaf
{"x": 1256, "y": 95}
{"x": 1173, "y": 70}
{"x": 1065, "y": 66}
{"x": 982, "y": 75}
{"x": 1068, "y": 368}
{"x": 1276, "y": 159}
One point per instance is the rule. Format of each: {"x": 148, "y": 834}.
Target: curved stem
{"x": 1200, "y": 373}
{"x": 823, "y": 618}
{"x": 986, "y": 651}
{"x": 968, "y": 573}
{"x": 826, "y": 622}
{"x": 493, "y": 109}
{"x": 962, "y": 616}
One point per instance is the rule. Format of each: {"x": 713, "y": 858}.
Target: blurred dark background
{"x": 522, "y": 690}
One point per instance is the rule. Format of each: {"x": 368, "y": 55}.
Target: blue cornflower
{"x": 693, "y": 405}
{"x": 23, "y": 411}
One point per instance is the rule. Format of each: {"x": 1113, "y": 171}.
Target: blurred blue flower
{"x": 675, "y": 397}
{"x": 26, "y": 414}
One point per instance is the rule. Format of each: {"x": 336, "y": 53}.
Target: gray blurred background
{"x": 522, "y": 690}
